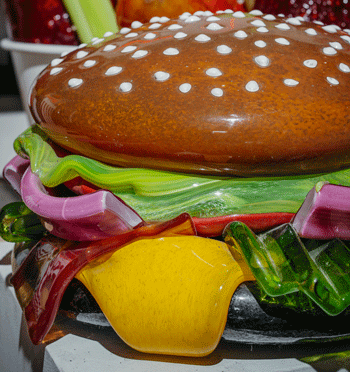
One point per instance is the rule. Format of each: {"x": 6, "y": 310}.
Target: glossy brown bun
{"x": 225, "y": 94}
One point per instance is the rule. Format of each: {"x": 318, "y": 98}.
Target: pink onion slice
{"x": 14, "y": 170}
{"x": 87, "y": 217}
{"x": 325, "y": 213}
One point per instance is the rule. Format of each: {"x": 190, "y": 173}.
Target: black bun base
{"x": 249, "y": 323}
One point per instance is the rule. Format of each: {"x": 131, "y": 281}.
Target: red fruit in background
{"x": 41, "y": 21}
{"x": 327, "y": 11}
{"x": 143, "y": 10}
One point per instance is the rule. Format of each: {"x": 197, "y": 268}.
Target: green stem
{"x": 92, "y": 18}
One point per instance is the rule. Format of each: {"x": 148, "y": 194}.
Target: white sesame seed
{"x": 97, "y": 41}
{"x": 256, "y": 12}
{"x": 174, "y": 27}
{"x": 129, "y": 48}
{"x": 262, "y": 29}
{"x": 238, "y": 14}
{"x": 252, "y": 86}
{"x": 311, "y": 63}
{"x": 150, "y": 36}
{"x": 213, "y": 72}
{"x": 343, "y": 67}
{"x": 228, "y": 11}
{"x": 125, "y": 87}
{"x": 329, "y": 51}
{"x": 294, "y": 21}
{"x": 109, "y": 47}
{"x": 213, "y": 19}
{"x": 63, "y": 54}
{"x": 114, "y": 70}
{"x": 131, "y": 34}
{"x": 136, "y": 24}
{"x": 345, "y": 38}
{"x": 262, "y": 61}
{"x": 154, "y": 26}
{"x": 171, "y": 52}
{"x": 258, "y": 23}
{"x": 56, "y": 61}
{"x": 240, "y": 34}
{"x": 336, "y": 45}
{"x": 202, "y": 38}
{"x": 56, "y": 70}
{"x": 219, "y": 12}
{"x": 283, "y": 26}
{"x": 311, "y": 31}
{"x": 154, "y": 19}
{"x": 124, "y": 30}
{"x": 184, "y": 16}
{"x": 89, "y": 63}
{"x": 330, "y": 28}
{"x": 108, "y": 34}
{"x": 291, "y": 82}
{"x": 185, "y": 88}
{"x": 82, "y": 46}
{"x": 161, "y": 76}
{"x": 208, "y": 13}
{"x": 332, "y": 81}
{"x": 73, "y": 83}
{"x": 224, "y": 49}
{"x": 269, "y": 17}
{"x": 318, "y": 23}
{"x": 282, "y": 41}
{"x": 192, "y": 18}
{"x": 164, "y": 19}
{"x": 281, "y": 15}
{"x": 199, "y": 13}
{"x": 140, "y": 54}
{"x": 180, "y": 35}
{"x": 214, "y": 26}
{"x": 217, "y": 92}
{"x": 260, "y": 43}
{"x": 81, "y": 54}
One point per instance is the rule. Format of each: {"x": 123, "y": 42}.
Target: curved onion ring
{"x": 88, "y": 217}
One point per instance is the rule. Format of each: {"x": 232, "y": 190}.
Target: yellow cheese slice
{"x": 168, "y": 295}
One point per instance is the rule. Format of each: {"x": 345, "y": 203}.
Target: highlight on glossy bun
{"x": 229, "y": 94}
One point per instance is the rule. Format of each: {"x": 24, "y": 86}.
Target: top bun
{"x": 229, "y": 94}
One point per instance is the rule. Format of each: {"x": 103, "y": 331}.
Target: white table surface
{"x": 80, "y": 347}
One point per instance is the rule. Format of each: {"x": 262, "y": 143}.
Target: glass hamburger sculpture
{"x": 184, "y": 171}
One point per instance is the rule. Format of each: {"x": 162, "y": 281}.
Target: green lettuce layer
{"x": 158, "y": 195}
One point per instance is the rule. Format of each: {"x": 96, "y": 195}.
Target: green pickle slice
{"x": 282, "y": 264}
